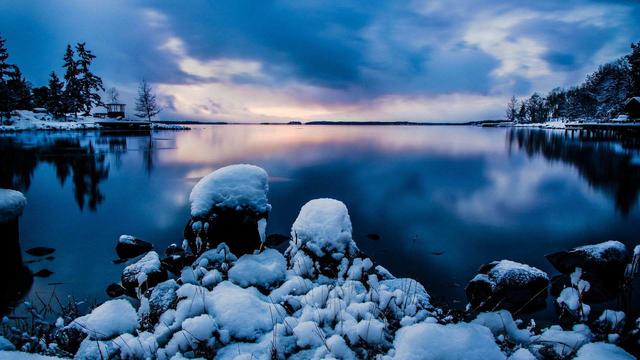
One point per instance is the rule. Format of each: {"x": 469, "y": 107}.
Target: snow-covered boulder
{"x": 321, "y": 240}
{"x": 112, "y": 318}
{"x": 12, "y": 204}
{"x": 508, "y": 285}
{"x": 598, "y": 351}
{"x": 555, "y": 342}
{"x": 442, "y": 342}
{"x": 129, "y": 247}
{"x": 144, "y": 274}
{"x": 229, "y": 205}
{"x": 605, "y": 259}
{"x": 261, "y": 270}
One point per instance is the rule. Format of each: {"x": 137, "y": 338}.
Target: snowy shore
{"x": 30, "y": 121}
{"x": 320, "y": 299}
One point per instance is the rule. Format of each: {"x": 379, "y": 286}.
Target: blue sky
{"x": 256, "y": 61}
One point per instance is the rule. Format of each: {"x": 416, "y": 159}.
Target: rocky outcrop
{"x": 129, "y": 247}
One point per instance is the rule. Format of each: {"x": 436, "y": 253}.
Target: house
{"x": 632, "y": 107}
{"x": 115, "y": 111}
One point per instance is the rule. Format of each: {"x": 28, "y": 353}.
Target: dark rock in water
{"x": 173, "y": 249}
{"x": 50, "y": 258}
{"x": 508, "y": 285}
{"x": 274, "y": 240}
{"x": 115, "y": 290}
{"x": 145, "y": 273}
{"x": 119, "y": 261}
{"x": 130, "y": 247}
{"x": 174, "y": 263}
{"x": 607, "y": 260}
{"x": 40, "y": 251}
{"x": 43, "y": 273}
{"x": 374, "y": 237}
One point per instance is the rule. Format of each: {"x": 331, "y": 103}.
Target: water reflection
{"x": 607, "y": 160}
{"x": 442, "y": 200}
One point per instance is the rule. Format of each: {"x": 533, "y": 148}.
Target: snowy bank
{"x": 12, "y": 204}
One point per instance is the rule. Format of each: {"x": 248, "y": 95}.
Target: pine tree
{"x": 89, "y": 83}
{"x": 55, "y": 103}
{"x": 146, "y": 104}
{"x": 5, "y": 104}
{"x": 522, "y": 113}
{"x": 634, "y": 63}
{"x": 19, "y": 90}
{"x": 72, "y": 97}
{"x": 512, "y": 109}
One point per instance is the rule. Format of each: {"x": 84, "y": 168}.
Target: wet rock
{"x": 508, "y": 285}
{"x": 374, "y": 237}
{"x": 229, "y": 205}
{"x": 174, "y": 263}
{"x": 274, "y": 240}
{"x": 145, "y": 273}
{"x": 173, "y": 249}
{"x": 43, "y": 273}
{"x": 115, "y": 290}
{"x": 40, "y": 251}
{"x": 607, "y": 260}
{"x": 130, "y": 247}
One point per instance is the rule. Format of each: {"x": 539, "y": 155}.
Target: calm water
{"x": 443, "y": 199}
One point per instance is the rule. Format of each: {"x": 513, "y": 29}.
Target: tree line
{"x": 78, "y": 92}
{"x": 601, "y": 96}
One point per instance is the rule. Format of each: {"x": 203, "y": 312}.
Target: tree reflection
{"x": 605, "y": 159}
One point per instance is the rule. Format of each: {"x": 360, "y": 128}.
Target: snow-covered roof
{"x": 11, "y": 204}
{"x": 231, "y": 186}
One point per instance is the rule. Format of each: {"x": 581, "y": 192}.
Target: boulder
{"x": 229, "y": 205}
{"x": 130, "y": 247}
{"x": 606, "y": 259}
{"x": 145, "y": 273}
{"x": 508, "y": 285}
{"x": 115, "y": 290}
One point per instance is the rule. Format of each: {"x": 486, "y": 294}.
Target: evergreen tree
{"x": 556, "y": 103}
{"x": 89, "y": 83}
{"x": 146, "y": 104}
{"x": 536, "y": 110}
{"x": 40, "y": 97}
{"x": 72, "y": 96}
{"x": 512, "y": 109}
{"x": 522, "y": 113}
{"x": 5, "y": 103}
{"x": 634, "y": 63}
{"x": 19, "y": 90}
{"x": 55, "y": 101}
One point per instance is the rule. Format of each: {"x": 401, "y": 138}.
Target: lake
{"x": 442, "y": 199}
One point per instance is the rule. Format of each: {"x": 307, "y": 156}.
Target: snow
{"x": 501, "y": 323}
{"x": 139, "y": 270}
{"x": 16, "y": 355}
{"x": 264, "y": 269}
{"x": 598, "y": 351}
{"x": 597, "y": 251}
{"x": 12, "y": 204}
{"x": 28, "y": 120}
{"x": 522, "y": 354}
{"x": 562, "y": 342}
{"x": 234, "y": 186}
{"x": 514, "y": 272}
{"x": 324, "y": 226}
{"x": 127, "y": 239}
{"x": 443, "y": 342}
{"x": 108, "y": 320}
{"x": 245, "y": 313}
{"x": 612, "y": 320}
{"x": 6, "y": 344}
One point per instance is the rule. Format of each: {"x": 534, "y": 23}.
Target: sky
{"x": 257, "y": 61}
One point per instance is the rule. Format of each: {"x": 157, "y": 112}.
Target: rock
{"x": 115, "y": 290}
{"x": 274, "y": 240}
{"x": 507, "y": 285}
{"x": 40, "y": 251}
{"x": 174, "y": 263}
{"x": 229, "y": 205}
{"x": 173, "y": 249}
{"x": 43, "y": 273}
{"x": 608, "y": 259}
{"x": 145, "y": 273}
{"x": 130, "y": 247}
{"x": 162, "y": 298}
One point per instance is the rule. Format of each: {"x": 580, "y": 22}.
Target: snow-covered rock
{"x": 12, "y": 204}
{"x": 108, "y": 320}
{"x": 229, "y": 205}
{"x": 442, "y": 342}
{"x": 599, "y": 351}
{"x": 509, "y": 284}
{"x": 129, "y": 246}
{"x": 607, "y": 258}
{"x": 144, "y": 273}
{"x": 263, "y": 269}
{"x": 501, "y": 323}
{"x": 561, "y": 342}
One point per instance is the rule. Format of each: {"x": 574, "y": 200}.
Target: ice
{"x": 599, "y": 351}
{"x": 324, "y": 226}
{"x": 234, "y": 186}
{"x": 446, "y": 342}
{"x": 264, "y": 269}
{"x": 108, "y": 320}
{"x": 245, "y": 313}
{"x": 12, "y": 204}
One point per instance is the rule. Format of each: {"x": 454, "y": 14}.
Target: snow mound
{"x": 234, "y": 186}
{"x": 598, "y": 351}
{"x": 264, "y": 269}
{"x": 501, "y": 323}
{"x": 244, "y": 313}
{"x": 113, "y": 318}
{"x": 324, "y": 226}
{"x": 443, "y": 342}
{"x": 16, "y": 355}
{"x": 12, "y": 204}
